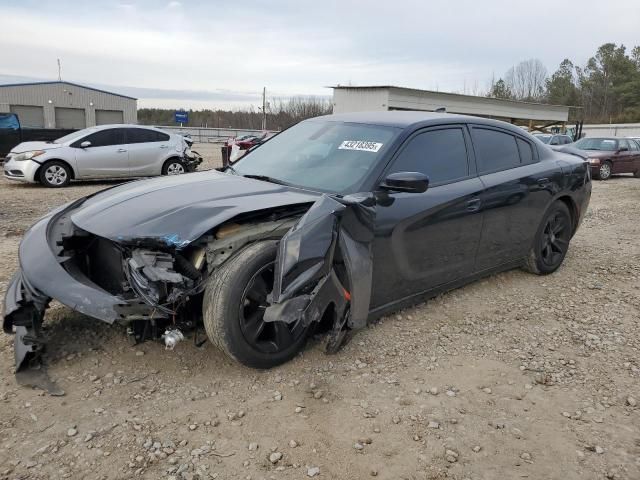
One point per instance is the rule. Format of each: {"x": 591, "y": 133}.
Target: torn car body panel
{"x": 306, "y": 281}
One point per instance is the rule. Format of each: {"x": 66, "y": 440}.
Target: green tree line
{"x": 281, "y": 114}
{"x": 607, "y": 88}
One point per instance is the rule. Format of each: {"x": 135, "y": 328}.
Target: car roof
{"x": 410, "y": 118}
{"x": 122, "y": 125}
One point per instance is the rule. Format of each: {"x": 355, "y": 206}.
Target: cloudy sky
{"x": 209, "y": 53}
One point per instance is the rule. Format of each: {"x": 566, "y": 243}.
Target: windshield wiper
{"x": 266, "y": 178}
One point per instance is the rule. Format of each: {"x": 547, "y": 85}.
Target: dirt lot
{"x": 515, "y": 376}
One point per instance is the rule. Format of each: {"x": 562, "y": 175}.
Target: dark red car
{"x": 245, "y": 142}
{"x": 610, "y": 155}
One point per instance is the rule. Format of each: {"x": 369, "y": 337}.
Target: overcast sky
{"x": 198, "y": 54}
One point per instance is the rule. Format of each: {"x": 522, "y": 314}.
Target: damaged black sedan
{"x": 331, "y": 223}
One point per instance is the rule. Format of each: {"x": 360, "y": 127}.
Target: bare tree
{"x": 527, "y": 80}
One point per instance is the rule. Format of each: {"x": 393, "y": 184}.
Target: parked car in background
{"x": 107, "y": 151}
{"x": 553, "y": 139}
{"x": 12, "y": 133}
{"x": 335, "y": 221}
{"x": 610, "y": 155}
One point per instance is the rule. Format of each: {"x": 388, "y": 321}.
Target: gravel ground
{"x": 515, "y": 376}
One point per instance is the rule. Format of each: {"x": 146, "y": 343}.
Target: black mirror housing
{"x": 409, "y": 182}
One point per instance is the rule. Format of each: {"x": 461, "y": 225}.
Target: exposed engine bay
{"x": 153, "y": 285}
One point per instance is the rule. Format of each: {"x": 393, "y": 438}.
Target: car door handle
{"x": 122, "y": 150}
{"x": 543, "y": 181}
{"x": 473, "y": 205}
{"x": 164, "y": 146}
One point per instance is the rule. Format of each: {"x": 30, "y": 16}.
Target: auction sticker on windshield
{"x": 360, "y": 145}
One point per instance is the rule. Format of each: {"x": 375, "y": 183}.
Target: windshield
{"x": 320, "y": 155}
{"x": 544, "y": 138}
{"x": 606, "y": 144}
{"x": 72, "y": 136}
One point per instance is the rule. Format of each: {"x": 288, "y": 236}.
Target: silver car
{"x": 107, "y": 151}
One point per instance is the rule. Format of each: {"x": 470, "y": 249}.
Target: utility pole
{"x": 59, "y": 71}
{"x": 264, "y": 108}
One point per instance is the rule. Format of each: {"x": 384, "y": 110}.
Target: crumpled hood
{"x": 179, "y": 209}
{"x": 30, "y": 146}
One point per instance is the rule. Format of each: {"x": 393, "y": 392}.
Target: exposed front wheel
{"x": 55, "y": 174}
{"x": 233, "y": 309}
{"x": 173, "y": 166}
{"x": 552, "y": 241}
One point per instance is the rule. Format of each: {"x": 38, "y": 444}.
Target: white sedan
{"x": 107, "y": 151}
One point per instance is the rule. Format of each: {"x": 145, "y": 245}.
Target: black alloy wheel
{"x": 555, "y": 239}
{"x": 551, "y": 243}
{"x": 266, "y": 337}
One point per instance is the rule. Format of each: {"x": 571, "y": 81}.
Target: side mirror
{"x": 409, "y": 182}
{"x": 623, "y": 149}
{"x": 85, "y": 144}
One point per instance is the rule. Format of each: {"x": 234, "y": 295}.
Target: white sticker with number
{"x": 360, "y": 145}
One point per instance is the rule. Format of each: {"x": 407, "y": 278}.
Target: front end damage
{"x": 153, "y": 285}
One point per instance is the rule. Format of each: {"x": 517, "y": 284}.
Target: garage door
{"x": 29, "y": 116}
{"x": 70, "y": 118}
{"x": 106, "y": 117}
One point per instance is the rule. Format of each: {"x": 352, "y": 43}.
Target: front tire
{"x": 54, "y": 174}
{"x": 174, "y": 166}
{"x": 233, "y": 308}
{"x": 551, "y": 243}
{"x": 604, "y": 172}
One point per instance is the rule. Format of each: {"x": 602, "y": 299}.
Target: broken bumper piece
{"x": 46, "y": 273}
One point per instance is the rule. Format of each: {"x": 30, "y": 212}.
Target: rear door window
{"x": 495, "y": 150}
{"x": 439, "y": 154}
{"x": 144, "y": 135}
{"x": 104, "y": 138}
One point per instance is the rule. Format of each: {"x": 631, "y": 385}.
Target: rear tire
{"x": 233, "y": 307}
{"x": 174, "y": 166}
{"x": 604, "y": 172}
{"x": 551, "y": 243}
{"x": 54, "y": 174}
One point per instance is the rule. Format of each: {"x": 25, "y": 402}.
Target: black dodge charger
{"x": 332, "y": 222}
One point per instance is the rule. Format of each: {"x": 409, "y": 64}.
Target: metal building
{"x": 377, "y": 98}
{"x": 66, "y": 105}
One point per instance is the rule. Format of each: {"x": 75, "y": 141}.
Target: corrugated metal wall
{"x": 65, "y": 95}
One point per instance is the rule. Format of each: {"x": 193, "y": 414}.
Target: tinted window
{"x": 104, "y": 138}
{"x": 555, "y": 141}
{"x": 495, "y": 150}
{"x": 526, "y": 152}
{"x": 439, "y": 154}
{"x": 565, "y": 140}
{"x": 143, "y": 135}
